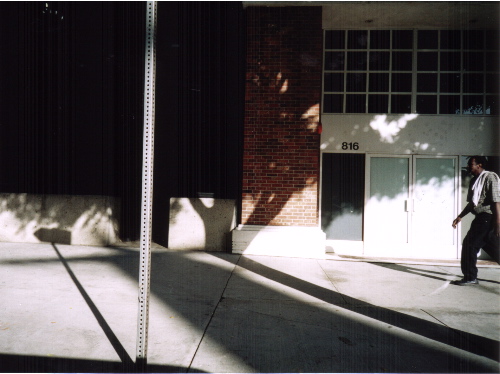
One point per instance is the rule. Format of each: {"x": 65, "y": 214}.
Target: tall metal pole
{"x": 147, "y": 185}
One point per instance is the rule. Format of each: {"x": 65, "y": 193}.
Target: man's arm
{"x": 467, "y": 210}
{"x": 495, "y": 207}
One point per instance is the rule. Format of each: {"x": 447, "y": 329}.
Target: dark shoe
{"x": 465, "y": 282}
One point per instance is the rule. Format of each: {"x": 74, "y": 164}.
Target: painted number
{"x": 351, "y": 146}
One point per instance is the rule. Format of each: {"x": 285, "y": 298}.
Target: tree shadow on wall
{"x": 282, "y": 156}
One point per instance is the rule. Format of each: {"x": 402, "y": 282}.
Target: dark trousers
{"x": 480, "y": 235}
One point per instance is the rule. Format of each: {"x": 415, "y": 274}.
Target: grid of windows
{"x": 411, "y": 71}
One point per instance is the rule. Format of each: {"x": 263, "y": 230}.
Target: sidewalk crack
{"x": 212, "y": 315}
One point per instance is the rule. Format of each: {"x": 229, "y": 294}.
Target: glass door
{"x": 434, "y": 207}
{"x": 410, "y": 204}
{"x": 387, "y": 218}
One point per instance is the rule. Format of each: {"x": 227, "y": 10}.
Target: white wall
{"x": 81, "y": 220}
{"x": 411, "y": 134}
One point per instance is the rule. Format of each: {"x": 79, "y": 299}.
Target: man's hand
{"x": 456, "y": 221}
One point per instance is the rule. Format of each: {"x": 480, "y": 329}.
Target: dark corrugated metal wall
{"x": 71, "y": 98}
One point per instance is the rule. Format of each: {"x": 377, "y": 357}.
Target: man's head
{"x": 476, "y": 165}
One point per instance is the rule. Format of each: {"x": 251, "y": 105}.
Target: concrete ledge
{"x": 288, "y": 241}
{"x": 81, "y": 220}
{"x": 201, "y": 223}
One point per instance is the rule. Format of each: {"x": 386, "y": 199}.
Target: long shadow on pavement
{"x": 469, "y": 342}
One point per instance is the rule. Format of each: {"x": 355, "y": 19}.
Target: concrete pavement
{"x": 74, "y": 309}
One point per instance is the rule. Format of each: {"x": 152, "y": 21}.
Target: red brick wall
{"x": 281, "y": 139}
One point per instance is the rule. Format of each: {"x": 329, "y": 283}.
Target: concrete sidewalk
{"x": 74, "y": 309}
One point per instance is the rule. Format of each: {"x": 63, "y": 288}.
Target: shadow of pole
{"x": 118, "y": 347}
{"x": 459, "y": 339}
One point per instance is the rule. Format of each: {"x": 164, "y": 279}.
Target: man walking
{"x": 483, "y": 198}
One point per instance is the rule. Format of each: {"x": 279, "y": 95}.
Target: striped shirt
{"x": 489, "y": 195}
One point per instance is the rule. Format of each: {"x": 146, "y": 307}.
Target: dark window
{"x": 450, "y": 82}
{"x": 492, "y": 106}
{"x": 402, "y": 39}
{"x": 356, "y": 82}
{"x": 402, "y": 61}
{"x": 378, "y": 103}
{"x": 355, "y": 104}
{"x": 449, "y": 104}
{"x": 473, "y": 61}
{"x": 427, "y": 61}
{"x": 450, "y": 61}
{"x": 401, "y": 82}
{"x": 334, "y": 82}
{"x": 356, "y": 60}
{"x": 333, "y": 103}
{"x": 343, "y": 194}
{"x": 357, "y": 39}
{"x": 334, "y": 61}
{"x": 379, "y": 60}
{"x": 427, "y": 39}
{"x": 379, "y": 82}
{"x": 426, "y": 82}
{"x": 380, "y": 39}
{"x": 411, "y": 69}
{"x": 335, "y": 39}
{"x": 426, "y": 104}
{"x": 492, "y": 83}
{"x": 473, "y": 104}
{"x": 450, "y": 39}
{"x": 473, "y": 39}
{"x": 473, "y": 83}
{"x": 401, "y": 104}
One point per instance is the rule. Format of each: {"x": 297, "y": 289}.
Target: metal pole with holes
{"x": 147, "y": 185}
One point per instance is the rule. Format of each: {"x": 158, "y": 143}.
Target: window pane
{"x": 473, "y": 104}
{"x": 492, "y": 106}
{"x": 335, "y": 39}
{"x": 401, "y": 82}
{"x": 356, "y": 82}
{"x": 343, "y": 182}
{"x": 334, "y": 82}
{"x": 492, "y": 83}
{"x": 450, "y": 61}
{"x": 334, "y": 61}
{"x": 492, "y": 40}
{"x": 427, "y": 61}
{"x": 380, "y": 39}
{"x": 378, "y": 103}
{"x": 400, "y": 104}
{"x": 427, "y": 39}
{"x": 402, "y": 61}
{"x": 356, "y": 60}
{"x": 473, "y": 61}
{"x": 357, "y": 39}
{"x": 449, "y": 104}
{"x": 379, "y": 82}
{"x": 402, "y": 39}
{"x": 333, "y": 103}
{"x": 473, "y": 83}
{"x": 426, "y": 82}
{"x": 450, "y": 39}
{"x": 492, "y": 61}
{"x": 379, "y": 60}
{"x": 426, "y": 104}
{"x": 473, "y": 39}
{"x": 355, "y": 104}
{"x": 450, "y": 83}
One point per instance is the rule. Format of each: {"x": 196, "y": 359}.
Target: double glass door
{"x": 411, "y": 202}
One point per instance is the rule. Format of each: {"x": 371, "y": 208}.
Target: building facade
{"x": 403, "y": 101}
{"x": 282, "y": 128}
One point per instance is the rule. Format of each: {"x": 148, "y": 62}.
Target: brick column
{"x": 283, "y": 94}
